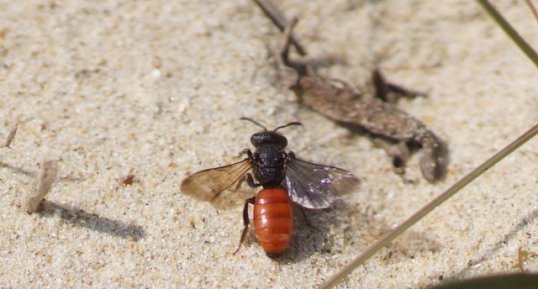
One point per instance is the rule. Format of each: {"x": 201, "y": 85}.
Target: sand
{"x": 155, "y": 89}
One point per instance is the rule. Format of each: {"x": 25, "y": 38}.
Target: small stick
{"x": 508, "y": 29}
{"x": 522, "y": 256}
{"x": 280, "y": 21}
{"x": 533, "y": 9}
{"x": 128, "y": 179}
{"x": 11, "y": 136}
{"x": 48, "y": 175}
{"x": 390, "y": 236}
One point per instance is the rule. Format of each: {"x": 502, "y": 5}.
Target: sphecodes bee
{"x": 284, "y": 178}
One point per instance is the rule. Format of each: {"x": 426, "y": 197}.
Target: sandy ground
{"x": 156, "y": 88}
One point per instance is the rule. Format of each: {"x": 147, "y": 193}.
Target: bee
{"x": 284, "y": 179}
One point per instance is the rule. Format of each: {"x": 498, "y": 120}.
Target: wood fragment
{"x": 278, "y": 18}
{"x": 46, "y": 178}
{"x": 532, "y": 8}
{"x": 128, "y": 180}
{"x": 11, "y": 136}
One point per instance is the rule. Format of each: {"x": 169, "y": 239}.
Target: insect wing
{"x": 316, "y": 186}
{"x": 222, "y": 186}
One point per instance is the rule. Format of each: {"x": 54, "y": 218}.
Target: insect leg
{"x": 246, "y": 152}
{"x": 250, "y": 181}
{"x": 305, "y": 217}
{"x": 291, "y": 155}
{"x": 246, "y": 221}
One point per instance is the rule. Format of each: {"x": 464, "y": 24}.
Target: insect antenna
{"x": 254, "y": 122}
{"x": 288, "y": 124}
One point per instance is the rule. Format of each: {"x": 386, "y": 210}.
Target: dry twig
{"x": 48, "y": 175}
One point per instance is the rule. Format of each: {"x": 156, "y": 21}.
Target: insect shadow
{"x": 330, "y": 231}
{"x": 91, "y": 221}
{"x": 311, "y": 234}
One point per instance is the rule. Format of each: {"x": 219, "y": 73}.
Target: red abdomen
{"x": 273, "y": 220}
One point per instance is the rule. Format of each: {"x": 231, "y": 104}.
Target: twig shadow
{"x": 94, "y": 222}
{"x": 31, "y": 174}
{"x": 529, "y": 218}
{"x": 18, "y": 170}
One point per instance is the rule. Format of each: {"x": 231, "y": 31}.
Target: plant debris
{"x": 48, "y": 175}
{"x": 376, "y": 113}
{"x": 10, "y": 136}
